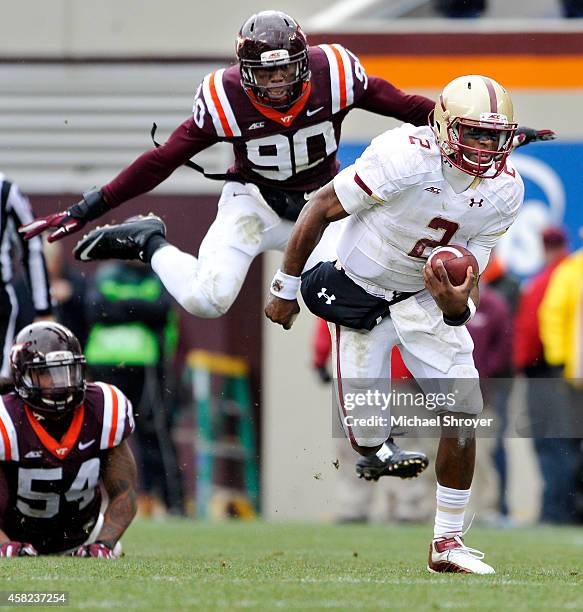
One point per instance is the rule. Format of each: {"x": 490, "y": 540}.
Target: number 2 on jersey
{"x": 438, "y": 223}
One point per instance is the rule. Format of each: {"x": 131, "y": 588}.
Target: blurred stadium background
{"x": 83, "y": 82}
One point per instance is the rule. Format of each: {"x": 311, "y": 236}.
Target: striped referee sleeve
{"x": 18, "y": 209}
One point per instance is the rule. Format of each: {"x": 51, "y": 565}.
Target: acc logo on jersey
{"x": 256, "y": 125}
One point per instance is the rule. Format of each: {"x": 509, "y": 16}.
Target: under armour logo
{"x": 329, "y": 298}
{"x": 435, "y": 190}
{"x": 478, "y": 203}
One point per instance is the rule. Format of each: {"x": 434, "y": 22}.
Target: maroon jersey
{"x": 53, "y": 486}
{"x": 294, "y": 150}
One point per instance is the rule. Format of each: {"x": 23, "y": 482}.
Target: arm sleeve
{"x": 153, "y": 167}
{"x": 383, "y": 98}
{"x": 33, "y": 259}
{"x": 118, "y": 416}
{"x": 374, "y": 177}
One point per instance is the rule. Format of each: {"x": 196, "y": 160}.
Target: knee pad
{"x": 198, "y": 304}
{"x": 465, "y": 383}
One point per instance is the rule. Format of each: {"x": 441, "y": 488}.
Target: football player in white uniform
{"x": 413, "y": 189}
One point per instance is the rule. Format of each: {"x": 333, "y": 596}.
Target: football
{"x": 456, "y": 260}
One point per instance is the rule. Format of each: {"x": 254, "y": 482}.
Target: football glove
{"x": 92, "y": 206}
{"x": 98, "y": 550}
{"x": 17, "y": 549}
{"x": 526, "y": 135}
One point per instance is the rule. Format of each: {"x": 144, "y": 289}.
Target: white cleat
{"x": 450, "y": 554}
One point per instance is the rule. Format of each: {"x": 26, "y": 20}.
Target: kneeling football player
{"x": 61, "y": 441}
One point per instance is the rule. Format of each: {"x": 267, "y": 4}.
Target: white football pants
{"x": 361, "y": 361}
{"x": 244, "y": 227}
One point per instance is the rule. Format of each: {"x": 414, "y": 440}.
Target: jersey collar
{"x": 60, "y": 449}
{"x": 458, "y": 180}
{"x": 287, "y": 118}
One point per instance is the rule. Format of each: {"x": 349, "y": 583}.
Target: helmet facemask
{"x": 481, "y": 161}
{"x": 55, "y": 385}
{"x": 294, "y": 72}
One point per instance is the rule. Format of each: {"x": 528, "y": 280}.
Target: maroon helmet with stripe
{"x": 48, "y": 367}
{"x": 478, "y": 108}
{"x": 269, "y": 40}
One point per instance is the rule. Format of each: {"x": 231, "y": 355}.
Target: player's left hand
{"x": 282, "y": 311}
{"x": 98, "y": 550}
{"x": 526, "y": 135}
{"x": 17, "y": 549}
{"x": 452, "y": 300}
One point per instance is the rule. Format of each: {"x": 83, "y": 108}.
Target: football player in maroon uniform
{"x": 61, "y": 440}
{"x": 282, "y": 108}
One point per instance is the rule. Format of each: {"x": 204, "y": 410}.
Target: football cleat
{"x": 450, "y": 554}
{"x": 125, "y": 240}
{"x": 401, "y": 463}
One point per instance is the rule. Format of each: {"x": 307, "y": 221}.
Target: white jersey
{"x": 401, "y": 207}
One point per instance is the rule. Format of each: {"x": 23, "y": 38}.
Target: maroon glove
{"x": 98, "y": 550}
{"x": 17, "y": 549}
{"x": 526, "y": 135}
{"x": 72, "y": 220}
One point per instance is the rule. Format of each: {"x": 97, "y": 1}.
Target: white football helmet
{"x": 475, "y": 109}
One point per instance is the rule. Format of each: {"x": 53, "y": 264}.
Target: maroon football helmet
{"x": 48, "y": 368}
{"x": 268, "y": 40}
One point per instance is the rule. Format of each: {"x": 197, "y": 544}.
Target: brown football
{"x": 456, "y": 260}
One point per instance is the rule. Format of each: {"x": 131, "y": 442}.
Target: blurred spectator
{"x": 491, "y": 331}
{"x": 15, "y": 210}
{"x": 528, "y": 355}
{"x": 460, "y": 9}
{"x": 560, "y": 317}
{"x": 68, "y": 289}
{"x": 507, "y": 286}
{"x": 131, "y": 341}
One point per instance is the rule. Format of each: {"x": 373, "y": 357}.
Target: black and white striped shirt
{"x": 15, "y": 210}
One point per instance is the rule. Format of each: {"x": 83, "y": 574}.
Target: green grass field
{"x": 182, "y": 564}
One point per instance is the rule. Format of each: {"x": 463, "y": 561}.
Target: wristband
{"x": 464, "y": 318}
{"x": 91, "y": 207}
{"x": 285, "y": 286}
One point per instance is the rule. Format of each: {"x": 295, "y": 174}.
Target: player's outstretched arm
{"x": 323, "y": 208}
{"x": 119, "y": 477}
{"x": 525, "y": 135}
{"x": 142, "y": 175}
{"x": 91, "y": 206}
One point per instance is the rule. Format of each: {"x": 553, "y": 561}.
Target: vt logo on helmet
{"x": 273, "y": 56}
{"x": 48, "y": 368}
{"x": 474, "y": 124}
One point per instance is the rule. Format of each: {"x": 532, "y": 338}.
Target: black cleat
{"x": 125, "y": 240}
{"x": 404, "y": 464}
